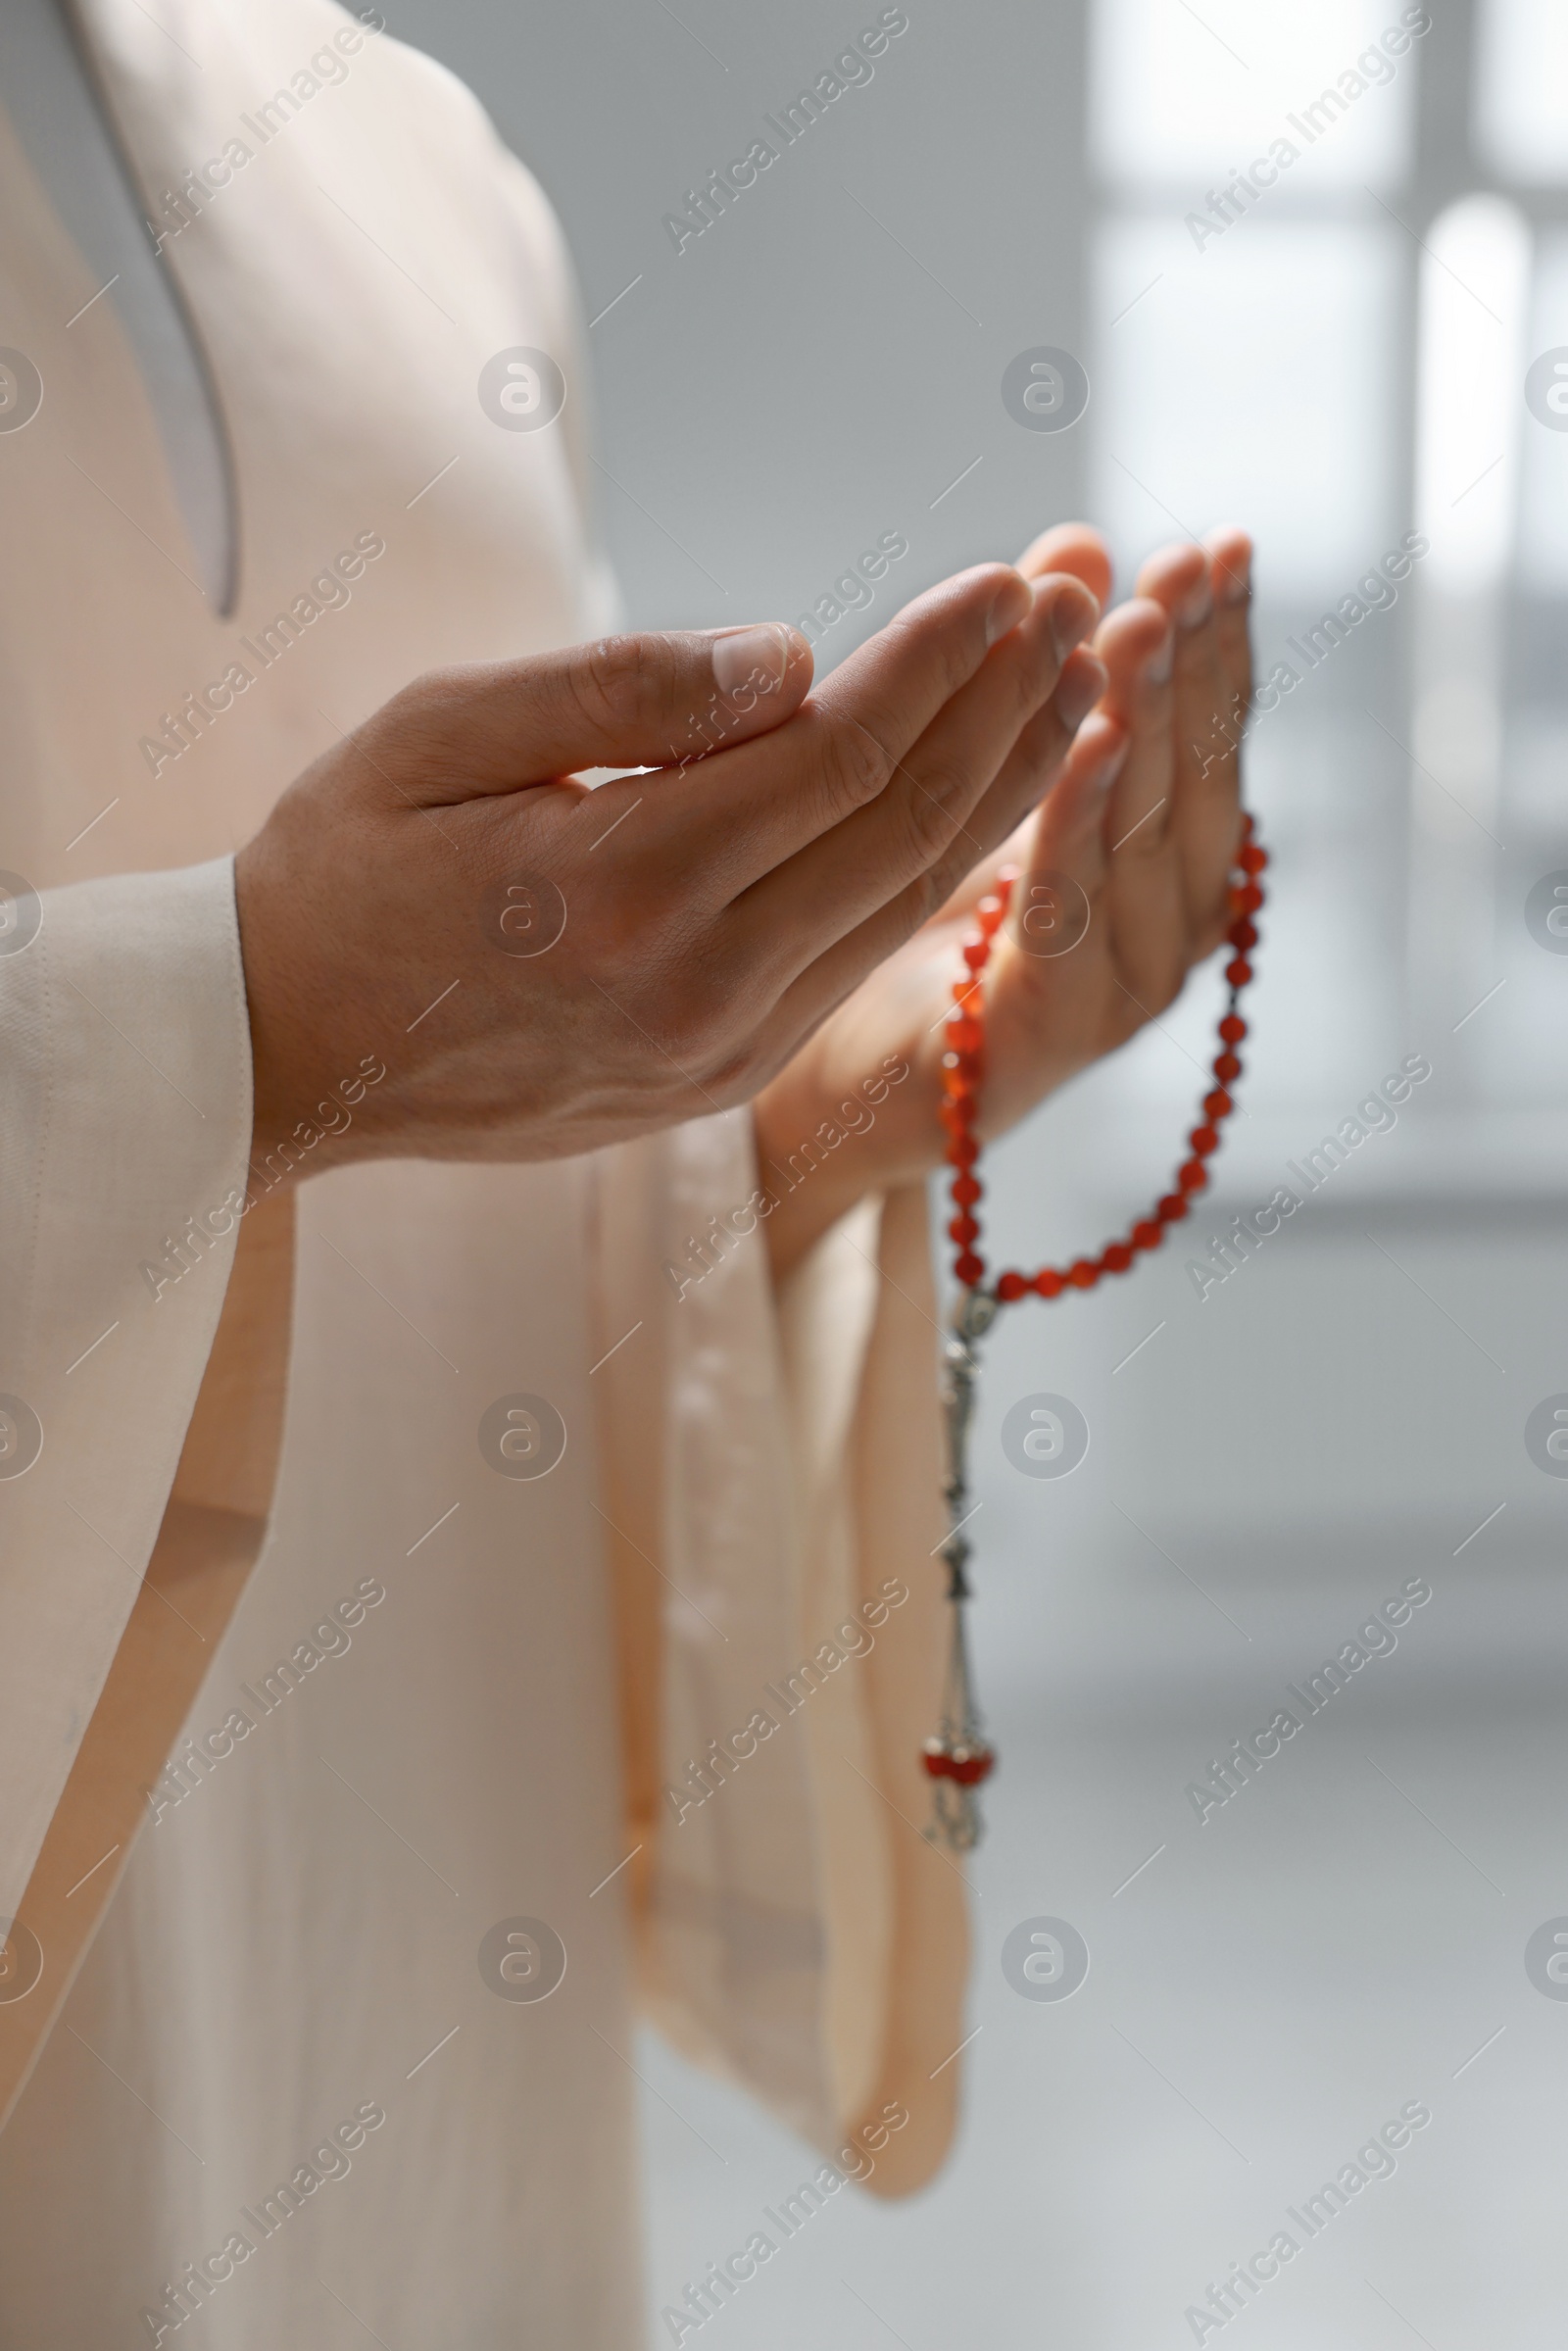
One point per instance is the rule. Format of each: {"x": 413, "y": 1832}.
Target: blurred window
{"x": 1329, "y": 270}
{"x": 1521, "y": 89}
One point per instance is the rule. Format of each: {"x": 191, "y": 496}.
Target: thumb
{"x": 654, "y": 700}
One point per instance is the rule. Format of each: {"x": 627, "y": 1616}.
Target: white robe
{"x": 297, "y": 1940}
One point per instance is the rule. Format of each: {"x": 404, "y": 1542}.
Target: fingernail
{"x": 756, "y": 656}
{"x": 1236, "y": 582}
{"x": 1196, "y": 607}
{"x": 1080, "y": 689}
{"x": 1157, "y": 667}
{"x": 1013, "y": 600}
{"x": 1074, "y": 613}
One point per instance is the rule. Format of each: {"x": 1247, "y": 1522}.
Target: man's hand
{"x": 1122, "y": 889}
{"x": 543, "y": 968}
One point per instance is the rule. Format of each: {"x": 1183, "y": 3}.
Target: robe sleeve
{"x": 124, "y": 1132}
{"x": 771, "y": 1473}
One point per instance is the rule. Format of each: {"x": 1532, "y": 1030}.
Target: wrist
{"x": 313, "y": 1101}
{"x": 823, "y": 1146}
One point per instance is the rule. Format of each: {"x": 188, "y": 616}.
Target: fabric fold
{"x": 125, "y": 1085}
{"x": 780, "y": 1621}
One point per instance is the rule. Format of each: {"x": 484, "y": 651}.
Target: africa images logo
{"x": 20, "y": 390}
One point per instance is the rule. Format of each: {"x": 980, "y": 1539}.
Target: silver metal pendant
{"x": 957, "y": 1759}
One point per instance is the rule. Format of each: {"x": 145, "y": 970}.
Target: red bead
{"x": 970, "y": 1765}
{"x": 936, "y": 1760}
{"x": 1249, "y": 825}
{"x": 962, "y": 1067}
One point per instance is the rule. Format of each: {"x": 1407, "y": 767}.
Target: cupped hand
{"x": 1121, "y": 887}
{"x": 542, "y": 968}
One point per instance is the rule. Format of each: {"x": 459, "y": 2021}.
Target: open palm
{"x": 1123, "y": 872}
{"x": 1122, "y": 875}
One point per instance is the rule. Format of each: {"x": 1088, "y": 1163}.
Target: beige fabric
{"x": 797, "y": 1906}
{"x": 897, "y": 1928}
{"x": 298, "y": 1928}
{"x": 127, "y": 1104}
{"x": 211, "y": 1532}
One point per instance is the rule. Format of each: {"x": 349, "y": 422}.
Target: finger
{"x": 1230, "y": 554}
{"x": 1136, "y": 642}
{"x": 1141, "y": 910}
{"x": 1030, "y": 770}
{"x": 1058, "y": 761}
{"x": 1050, "y": 996}
{"x": 655, "y": 700}
{"x": 743, "y": 812}
{"x": 1135, "y": 868}
{"x": 893, "y": 686}
{"x": 1171, "y": 573}
{"x": 1207, "y": 732}
{"x": 1177, "y": 577}
{"x": 918, "y": 833}
{"x": 1070, "y": 547}
{"x": 1070, "y": 834}
{"x": 1207, "y": 721}
{"x": 1208, "y": 773}
{"x": 1052, "y": 975}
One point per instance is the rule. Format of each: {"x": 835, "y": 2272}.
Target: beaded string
{"x": 958, "y": 1758}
